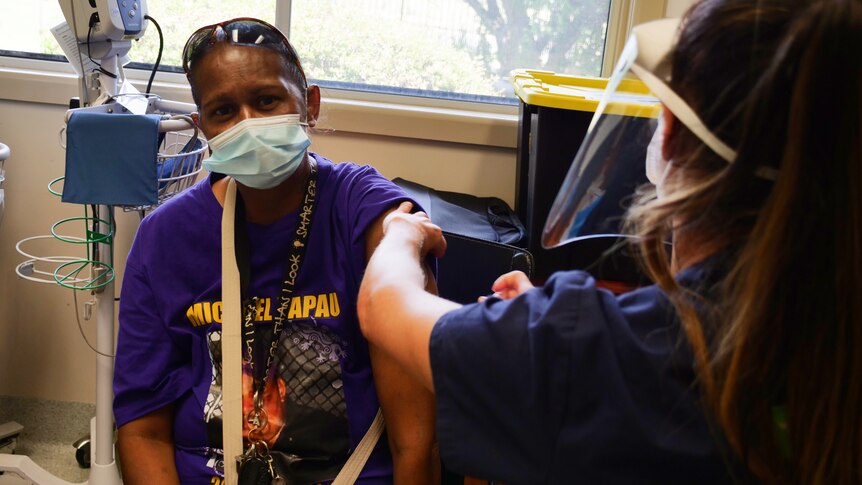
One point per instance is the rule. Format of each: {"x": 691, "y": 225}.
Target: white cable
{"x": 81, "y": 328}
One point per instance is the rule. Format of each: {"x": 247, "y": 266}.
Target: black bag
{"x": 482, "y": 234}
{"x": 487, "y": 218}
{"x": 284, "y": 469}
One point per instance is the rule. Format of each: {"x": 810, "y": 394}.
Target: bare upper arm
{"x": 155, "y": 425}
{"x": 374, "y": 234}
{"x": 407, "y": 405}
{"x": 146, "y": 449}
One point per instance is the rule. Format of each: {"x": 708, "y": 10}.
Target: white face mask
{"x": 260, "y": 152}
{"x": 657, "y": 168}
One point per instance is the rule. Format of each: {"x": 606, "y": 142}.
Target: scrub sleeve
{"x": 568, "y": 383}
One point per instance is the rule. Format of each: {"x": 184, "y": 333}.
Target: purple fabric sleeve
{"x": 368, "y": 195}
{"x": 145, "y": 344}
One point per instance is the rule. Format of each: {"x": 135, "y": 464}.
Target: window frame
{"x": 353, "y": 111}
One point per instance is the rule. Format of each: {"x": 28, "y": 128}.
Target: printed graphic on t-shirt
{"x": 304, "y": 414}
{"x": 323, "y": 305}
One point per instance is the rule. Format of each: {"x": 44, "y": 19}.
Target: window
{"x": 28, "y": 30}
{"x": 447, "y": 48}
{"x": 455, "y": 49}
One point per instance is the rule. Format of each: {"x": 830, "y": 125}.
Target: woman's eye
{"x": 265, "y": 101}
{"x": 221, "y": 111}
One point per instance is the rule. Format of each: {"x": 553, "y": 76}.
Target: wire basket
{"x": 178, "y": 165}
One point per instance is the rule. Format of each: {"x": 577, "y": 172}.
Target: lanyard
{"x": 292, "y": 266}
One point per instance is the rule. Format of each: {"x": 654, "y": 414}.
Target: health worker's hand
{"x": 510, "y": 285}
{"x": 416, "y": 229}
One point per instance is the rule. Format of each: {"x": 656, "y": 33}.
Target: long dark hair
{"x": 782, "y": 346}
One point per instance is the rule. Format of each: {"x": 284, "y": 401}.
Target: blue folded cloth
{"x": 111, "y": 159}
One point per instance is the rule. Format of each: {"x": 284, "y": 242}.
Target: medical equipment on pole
{"x": 96, "y": 40}
{"x": 104, "y": 31}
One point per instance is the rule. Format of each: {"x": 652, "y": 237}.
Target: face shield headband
{"x": 610, "y": 163}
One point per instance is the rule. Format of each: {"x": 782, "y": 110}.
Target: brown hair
{"x": 782, "y": 82}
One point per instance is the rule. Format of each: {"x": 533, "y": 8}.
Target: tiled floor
{"x": 50, "y": 428}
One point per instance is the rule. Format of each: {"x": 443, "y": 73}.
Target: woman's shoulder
{"x": 358, "y": 192}
{"x": 642, "y": 317}
{"x": 580, "y": 288}
{"x": 348, "y": 174}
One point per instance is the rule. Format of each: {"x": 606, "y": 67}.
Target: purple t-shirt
{"x": 169, "y": 352}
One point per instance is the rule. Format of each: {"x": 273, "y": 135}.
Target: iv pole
{"x": 103, "y": 466}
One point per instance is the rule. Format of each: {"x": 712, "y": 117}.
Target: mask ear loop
{"x": 305, "y": 123}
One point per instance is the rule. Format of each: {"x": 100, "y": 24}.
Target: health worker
{"x": 742, "y": 362}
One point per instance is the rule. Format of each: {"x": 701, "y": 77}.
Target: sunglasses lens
{"x": 239, "y": 31}
{"x": 193, "y": 44}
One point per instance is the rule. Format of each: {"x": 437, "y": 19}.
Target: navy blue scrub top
{"x": 568, "y": 383}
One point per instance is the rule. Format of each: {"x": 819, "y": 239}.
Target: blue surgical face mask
{"x": 260, "y": 152}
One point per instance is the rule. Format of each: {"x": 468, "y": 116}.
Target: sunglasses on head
{"x": 240, "y": 31}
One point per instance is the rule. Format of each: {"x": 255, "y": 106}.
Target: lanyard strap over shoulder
{"x": 351, "y": 470}
{"x": 230, "y": 341}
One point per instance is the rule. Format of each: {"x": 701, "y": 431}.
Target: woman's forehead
{"x": 227, "y": 67}
{"x": 230, "y": 57}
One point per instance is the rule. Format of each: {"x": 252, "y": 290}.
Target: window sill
{"x": 49, "y": 82}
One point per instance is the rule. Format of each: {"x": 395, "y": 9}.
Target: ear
{"x": 670, "y": 127}
{"x": 313, "y": 104}
{"x": 196, "y": 117}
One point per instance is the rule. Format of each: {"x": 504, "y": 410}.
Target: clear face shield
{"x": 624, "y": 133}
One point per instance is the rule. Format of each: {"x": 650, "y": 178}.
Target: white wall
{"x": 675, "y": 8}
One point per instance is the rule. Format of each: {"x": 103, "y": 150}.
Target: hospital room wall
{"x": 675, "y": 8}
{"x": 42, "y": 354}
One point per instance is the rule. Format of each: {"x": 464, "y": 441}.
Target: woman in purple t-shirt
{"x": 319, "y": 394}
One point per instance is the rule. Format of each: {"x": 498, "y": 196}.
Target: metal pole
{"x": 103, "y": 469}
{"x": 110, "y": 84}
